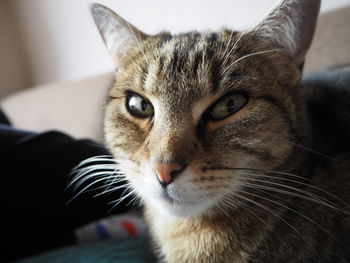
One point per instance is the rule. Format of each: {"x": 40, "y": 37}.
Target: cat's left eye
{"x": 227, "y": 105}
{"x": 139, "y": 106}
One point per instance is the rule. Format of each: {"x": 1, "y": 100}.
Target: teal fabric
{"x": 128, "y": 250}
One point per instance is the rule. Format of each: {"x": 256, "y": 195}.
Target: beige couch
{"x": 76, "y": 107}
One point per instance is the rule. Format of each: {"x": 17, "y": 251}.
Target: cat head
{"x": 191, "y": 116}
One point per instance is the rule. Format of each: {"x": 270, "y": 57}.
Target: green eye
{"x": 139, "y": 106}
{"x": 227, "y": 106}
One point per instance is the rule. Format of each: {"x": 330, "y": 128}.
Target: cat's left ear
{"x": 118, "y": 35}
{"x": 290, "y": 27}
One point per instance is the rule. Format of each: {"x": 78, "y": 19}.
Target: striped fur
{"x": 257, "y": 187}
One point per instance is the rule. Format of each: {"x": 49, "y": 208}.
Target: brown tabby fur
{"x": 276, "y": 190}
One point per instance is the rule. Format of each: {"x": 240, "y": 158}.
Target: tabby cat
{"x": 234, "y": 158}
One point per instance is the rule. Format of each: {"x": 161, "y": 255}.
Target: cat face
{"x": 191, "y": 117}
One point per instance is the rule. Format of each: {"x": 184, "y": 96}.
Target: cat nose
{"x": 167, "y": 171}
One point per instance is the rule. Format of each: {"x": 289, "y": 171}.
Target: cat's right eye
{"x": 227, "y": 106}
{"x": 139, "y": 106}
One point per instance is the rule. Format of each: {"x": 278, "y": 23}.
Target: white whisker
{"x": 270, "y": 211}
{"x": 138, "y": 43}
{"x": 288, "y": 208}
{"x": 300, "y": 183}
{"x": 83, "y": 178}
{"x": 308, "y": 198}
{"x": 250, "y": 55}
{"x": 111, "y": 190}
{"x": 230, "y": 52}
{"x": 99, "y": 158}
{"x": 121, "y": 199}
{"x": 289, "y": 187}
{"x": 312, "y": 151}
{"x": 85, "y": 188}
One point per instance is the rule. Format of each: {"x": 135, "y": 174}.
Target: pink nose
{"x": 167, "y": 171}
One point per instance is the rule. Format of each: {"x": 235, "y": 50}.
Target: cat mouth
{"x": 167, "y": 197}
{"x": 170, "y": 203}
{"x": 173, "y": 200}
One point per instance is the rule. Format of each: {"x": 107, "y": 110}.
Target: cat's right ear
{"x": 290, "y": 27}
{"x": 118, "y": 35}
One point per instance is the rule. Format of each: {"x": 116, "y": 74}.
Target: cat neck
{"x": 232, "y": 236}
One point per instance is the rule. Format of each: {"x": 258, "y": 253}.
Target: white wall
{"x": 62, "y": 43}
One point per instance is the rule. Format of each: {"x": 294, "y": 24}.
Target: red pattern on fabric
{"x": 129, "y": 227}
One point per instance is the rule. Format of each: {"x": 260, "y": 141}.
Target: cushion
{"x": 131, "y": 250}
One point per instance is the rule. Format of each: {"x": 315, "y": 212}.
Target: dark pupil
{"x": 230, "y": 106}
{"x": 144, "y": 105}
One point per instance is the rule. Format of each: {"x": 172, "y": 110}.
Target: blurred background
{"x": 45, "y": 41}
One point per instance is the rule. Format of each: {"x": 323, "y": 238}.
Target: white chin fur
{"x": 180, "y": 209}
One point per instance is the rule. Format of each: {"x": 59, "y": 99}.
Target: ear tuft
{"x": 118, "y": 35}
{"x": 290, "y": 26}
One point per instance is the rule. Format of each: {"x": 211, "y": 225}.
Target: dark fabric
{"x": 127, "y": 250}
{"x": 34, "y": 176}
{"x": 3, "y": 118}
{"x": 327, "y": 96}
